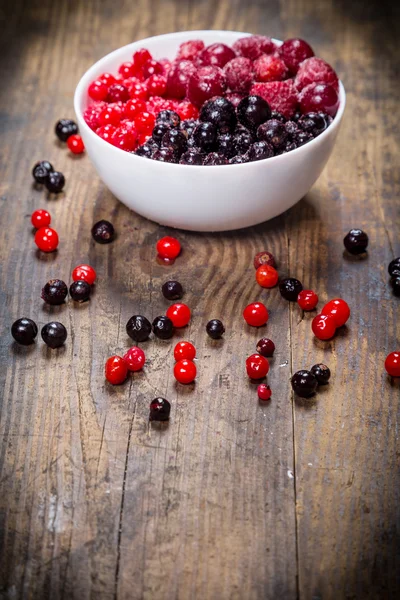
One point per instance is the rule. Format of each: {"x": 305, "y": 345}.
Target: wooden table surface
{"x": 232, "y": 500}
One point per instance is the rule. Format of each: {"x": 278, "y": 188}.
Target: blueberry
{"x": 252, "y": 111}
{"x": 302, "y": 137}
{"x": 278, "y": 116}
{"x": 54, "y": 334}
{"x": 215, "y": 329}
{"x": 187, "y": 127}
{"x": 159, "y": 409}
{"x": 172, "y": 290}
{"x": 322, "y": 373}
{"x": 243, "y": 140}
{"x": 290, "y": 288}
{"x": 238, "y": 159}
{"x": 394, "y": 267}
{"x": 165, "y": 155}
{"x": 304, "y": 383}
{"x": 80, "y": 291}
{"x": 356, "y": 241}
{"x": 215, "y": 159}
{"x": 170, "y": 117}
{"x": 147, "y": 149}
{"x": 314, "y": 122}
{"x": 395, "y": 283}
{"x": 160, "y": 129}
{"x": 173, "y": 138}
{"x": 273, "y": 132}
{"x": 163, "y": 328}
{"x": 191, "y": 157}
{"x": 226, "y": 145}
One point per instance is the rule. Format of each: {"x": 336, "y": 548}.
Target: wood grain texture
{"x": 231, "y": 500}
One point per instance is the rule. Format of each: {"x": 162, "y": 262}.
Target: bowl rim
{"x": 81, "y": 90}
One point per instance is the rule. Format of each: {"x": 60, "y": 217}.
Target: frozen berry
{"x": 220, "y": 112}
{"x": 322, "y": 373}
{"x": 304, "y": 383}
{"x": 395, "y": 283}
{"x": 118, "y": 93}
{"x": 256, "y": 314}
{"x": 252, "y": 111}
{"x": 80, "y": 291}
{"x": 175, "y": 139}
{"x": 98, "y": 90}
{"x": 75, "y": 144}
{"x": 239, "y": 74}
{"x": 178, "y": 78}
{"x": 163, "y": 328}
{"x": 338, "y": 309}
{"x": 65, "y": 128}
{"x": 264, "y": 392}
{"x": 179, "y": 314}
{"x": 111, "y": 115}
{"x": 280, "y": 95}
{"x": 160, "y": 410}
{"x": 238, "y": 160}
{"x": 267, "y": 276}
{"x": 133, "y": 107}
{"x": 54, "y": 292}
{"x": 91, "y": 115}
{"x": 294, "y": 52}
{"x": 103, "y": 232}
{"x": 204, "y": 84}
{"x": 55, "y": 182}
{"x": 144, "y": 122}
{"x": 215, "y": 55}
{"x": 106, "y": 132}
{"x": 185, "y": 371}
{"x": 126, "y": 69}
{"x": 147, "y": 150}
{"x": 290, "y": 288}
{"x": 226, "y": 145}
{"x": 323, "y": 327}
{"x": 172, "y": 290}
{"x": 260, "y": 151}
{"x": 141, "y": 57}
{"x": 317, "y": 97}
{"x": 392, "y": 364}
{"x": 394, "y": 267}
{"x": 46, "y": 239}
{"x": 168, "y": 247}
{"x": 356, "y": 241}
{"x": 243, "y": 139}
{"x": 135, "y": 358}
{"x": 116, "y": 370}
{"x": 189, "y": 50}
{"x": 307, "y": 300}
{"x": 234, "y": 98}
{"x": 215, "y": 159}
{"x": 270, "y": 68}
{"x": 41, "y": 171}
{"x": 40, "y": 218}
{"x": 159, "y": 130}
{"x": 253, "y": 46}
{"x": 152, "y": 67}
{"x": 205, "y": 136}
{"x": 167, "y": 155}
{"x": 138, "y": 328}
{"x": 265, "y": 347}
{"x": 54, "y": 334}
{"x": 169, "y": 117}
{"x": 273, "y": 132}
{"x": 257, "y": 366}
{"x": 184, "y": 350}
{"x": 315, "y": 70}
{"x": 24, "y": 331}
{"x": 187, "y": 110}
{"x": 314, "y": 122}
{"x": 188, "y": 126}
{"x": 301, "y": 137}
{"x": 215, "y": 329}
{"x": 191, "y": 157}
{"x": 264, "y": 258}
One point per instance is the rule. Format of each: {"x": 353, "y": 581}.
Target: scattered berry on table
{"x": 24, "y": 331}
{"x": 394, "y": 267}
{"x": 172, "y": 290}
{"x": 40, "y": 218}
{"x": 264, "y": 258}
{"x": 324, "y": 327}
{"x": 267, "y": 276}
{"x": 41, "y": 171}
{"x": 304, "y": 383}
{"x": 168, "y": 247}
{"x": 65, "y": 128}
{"x": 163, "y": 328}
{"x": 138, "y": 328}
{"x": 184, "y": 350}
{"x": 103, "y": 232}
{"x": 135, "y": 358}
{"x": 215, "y": 329}
{"x": 294, "y": 52}
{"x": 179, "y": 314}
{"x": 290, "y": 288}
{"x": 264, "y": 392}
{"x": 338, "y": 309}
{"x": 395, "y": 283}
{"x": 75, "y": 144}
{"x": 116, "y": 370}
{"x": 356, "y": 241}
{"x": 54, "y": 292}
{"x": 160, "y": 409}
{"x": 84, "y": 273}
{"x": 307, "y": 300}
{"x": 321, "y": 372}
{"x": 80, "y": 291}
{"x": 265, "y": 347}
{"x": 185, "y": 371}
{"x": 252, "y": 111}
{"x": 46, "y": 239}
{"x": 256, "y": 314}
{"x": 54, "y": 334}
{"x": 392, "y": 364}
{"x": 257, "y": 366}
{"x": 55, "y": 182}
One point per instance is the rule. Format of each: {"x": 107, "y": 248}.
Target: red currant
{"x": 257, "y": 366}
{"x": 324, "y": 327}
{"x": 141, "y": 57}
{"x": 135, "y": 358}
{"x": 267, "y": 276}
{"x": 168, "y": 247}
{"x": 107, "y": 78}
{"x": 307, "y": 299}
{"x": 179, "y": 314}
{"x": 40, "y": 218}
{"x": 75, "y": 144}
{"x": 106, "y": 132}
{"x": 124, "y": 138}
{"x": 264, "y": 391}
{"x": 116, "y": 370}
{"x": 156, "y": 85}
{"x": 187, "y": 110}
{"x": 338, "y": 309}
{"x": 46, "y": 239}
{"x": 84, "y": 273}
{"x": 98, "y": 90}
{"x": 145, "y": 122}
{"x": 185, "y": 371}
{"x": 117, "y": 93}
{"x": 126, "y": 69}
{"x": 110, "y": 115}
{"x": 152, "y": 67}
{"x": 138, "y": 90}
{"x": 184, "y": 350}
{"x": 133, "y": 107}
{"x": 392, "y": 364}
{"x": 256, "y": 314}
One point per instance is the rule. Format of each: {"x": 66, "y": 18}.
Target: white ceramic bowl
{"x": 214, "y": 198}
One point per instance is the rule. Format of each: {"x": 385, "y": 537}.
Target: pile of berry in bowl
{"x": 268, "y": 112}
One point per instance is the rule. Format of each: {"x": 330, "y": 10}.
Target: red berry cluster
{"x": 46, "y": 238}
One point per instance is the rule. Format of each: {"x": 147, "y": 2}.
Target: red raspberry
{"x": 187, "y": 110}
{"x": 178, "y": 78}
{"x": 239, "y": 74}
{"x": 188, "y": 50}
{"x": 91, "y": 114}
{"x": 156, "y": 85}
{"x": 106, "y": 132}
{"x": 293, "y": 52}
{"x": 111, "y": 115}
{"x": 215, "y": 55}
{"x": 125, "y": 138}
{"x": 117, "y": 93}
{"x": 234, "y": 98}
{"x": 141, "y": 57}
{"x": 253, "y": 46}
{"x": 319, "y": 97}
{"x": 204, "y": 84}
{"x": 152, "y": 67}
{"x": 98, "y": 90}
{"x": 270, "y": 68}
{"x": 280, "y": 95}
{"x": 315, "y": 70}
{"x": 134, "y": 107}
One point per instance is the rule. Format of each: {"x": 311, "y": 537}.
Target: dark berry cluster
{"x": 394, "y": 272}
{"x": 44, "y": 173}
{"x": 305, "y": 383}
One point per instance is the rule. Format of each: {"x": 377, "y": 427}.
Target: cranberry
{"x": 40, "y": 218}
{"x": 264, "y": 392}
{"x": 46, "y": 239}
{"x": 156, "y": 85}
{"x": 117, "y": 93}
{"x": 152, "y": 67}
{"x": 338, "y": 309}
{"x": 84, "y": 273}
{"x": 356, "y": 241}
{"x": 294, "y": 52}
{"x": 138, "y": 328}
{"x": 185, "y": 371}
{"x": 257, "y": 366}
{"x": 304, "y": 383}
{"x": 220, "y": 112}
{"x": 322, "y": 373}
{"x": 98, "y": 90}
{"x": 315, "y": 70}
{"x": 179, "y": 314}
{"x": 264, "y": 258}
{"x": 215, "y": 329}
{"x": 239, "y": 74}
{"x": 145, "y": 122}
{"x": 135, "y": 358}
{"x": 168, "y": 247}
{"x": 252, "y": 111}
{"x": 265, "y": 347}
{"x": 280, "y": 95}
{"x": 254, "y": 46}
{"x": 307, "y": 299}
{"x": 189, "y": 50}
{"x": 178, "y": 78}
{"x": 290, "y": 288}
{"x": 215, "y": 55}
{"x": 184, "y": 350}
{"x": 24, "y": 331}
{"x": 141, "y": 57}
{"x": 75, "y": 144}
{"x": 324, "y": 327}
{"x": 116, "y": 370}
{"x": 91, "y": 115}
{"x": 160, "y": 409}
{"x": 270, "y": 68}
{"x": 267, "y": 276}
{"x": 256, "y": 314}
{"x": 204, "y": 84}
{"x": 111, "y": 115}
{"x": 392, "y": 364}
{"x": 319, "y": 97}
{"x": 133, "y": 107}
